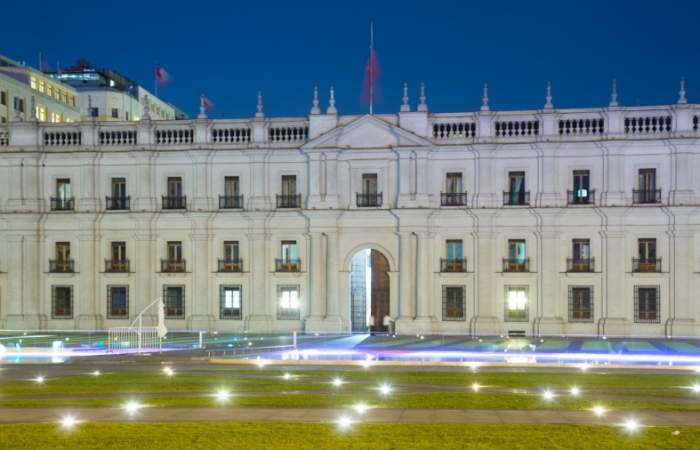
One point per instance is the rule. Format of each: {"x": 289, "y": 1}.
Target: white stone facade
{"x": 411, "y": 154}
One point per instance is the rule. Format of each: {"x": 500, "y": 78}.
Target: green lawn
{"x": 214, "y": 435}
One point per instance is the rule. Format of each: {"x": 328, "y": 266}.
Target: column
{"x": 259, "y": 319}
{"x": 317, "y": 269}
{"x": 144, "y": 271}
{"x": 85, "y": 295}
{"x": 201, "y": 316}
{"x": 423, "y": 319}
{"x": 406, "y": 301}
{"x": 489, "y": 308}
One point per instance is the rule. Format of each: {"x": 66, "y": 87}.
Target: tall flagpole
{"x": 371, "y": 66}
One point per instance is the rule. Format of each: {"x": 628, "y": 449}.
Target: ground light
{"x": 337, "y": 382}
{"x": 695, "y": 388}
{"x": 548, "y": 395}
{"x": 631, "y": 425}
{"x": 385, "y": 389}
{"x": 168, "y": 371}
{"x": 575, "y": 391}
{"x": 476, "y": 387}
{"x": 366, "y": 364}
{"x": 39, "y": 379}
{"x": 360, "y": 408}
{"x": 68, "y": 422}
{"x": 132, "y": 407}
{"x": 599, "y": 410}
{"x": 287, "y": 376}
{"x": 96, "y": 373}
{"x": 344, "y": 422}
{"x": 222, "y": 395}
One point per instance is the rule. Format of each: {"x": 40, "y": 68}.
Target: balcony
{"x": 580, "y": 264}
{"x": 172, "y": 265}
{"x": 231, "y": 265}
{"x": 453, "y": 265}
{"x": 62, "y": 204}
{"x": 372, "y": 200}
{"x": 174, "y": 202}
{"x": 521, "y": 198}
{"x": 230, "y": 201}
{"x": 516, "y": 265}
{"x": 61, "y": 266}
{"x": 287, "y": 265}
{"x": 117, "y": 265}
{"x": 646, "y": 196}
{"x": 453, "y": 198}
{"x": 118, "y": 203}
{"x": 580, "y": 197}
{"x": 289, "y": 201}
{"x": 646, "y": 265}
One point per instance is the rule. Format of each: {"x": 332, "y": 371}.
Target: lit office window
{"x": 288, "y": 303}
{"x": 516, "y": 304}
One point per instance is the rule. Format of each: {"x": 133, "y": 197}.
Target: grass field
{"x": 214, "y": 435}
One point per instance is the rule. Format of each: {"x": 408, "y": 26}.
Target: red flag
{"x": 206, "y": 103}
{"x": 162, "y": 76}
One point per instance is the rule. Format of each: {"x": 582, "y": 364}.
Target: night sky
{"x": 230, "y": 50}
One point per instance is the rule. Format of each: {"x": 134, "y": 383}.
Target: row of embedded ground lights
{"x": 346, "y": 421}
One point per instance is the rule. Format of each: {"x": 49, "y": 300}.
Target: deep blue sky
{"x": 228, "y": 50}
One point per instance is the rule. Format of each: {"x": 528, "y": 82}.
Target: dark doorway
{"x": 369, "y": 291}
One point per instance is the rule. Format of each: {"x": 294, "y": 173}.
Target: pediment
{"x": 367, "y": 132}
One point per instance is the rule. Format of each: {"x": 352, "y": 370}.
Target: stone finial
{"x": 331, "y": 103}
{"x": 146, "y": 108}
{"x": 485, "y": 98}
{"x": 422, "y": 105}
{"x": 681, "y": 93}
{"x": 613, "y": 94}
{"x": 405, "y": 107}
{"x": 259, "y": 110}
{"x": 202, "y": 107}
{"x": 548, "y": 98}
{"x": 314, "y": 103}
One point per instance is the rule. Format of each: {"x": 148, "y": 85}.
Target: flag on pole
{"x": 206, "y": 103}
{"x": 371, "y": 72}
{"x": 162, "y": 76}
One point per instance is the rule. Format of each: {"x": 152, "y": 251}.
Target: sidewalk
{"x": 379, "y": 415}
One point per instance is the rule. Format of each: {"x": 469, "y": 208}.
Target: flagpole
{"x": 371, "y": 67}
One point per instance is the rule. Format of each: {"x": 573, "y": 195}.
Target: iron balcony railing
{"x": 62, "y": 204}
{"x": 369, "y": 199}
{"x": 172, "y": 265}
{"x": 580, "y": 265}
{"x": 230, "y": 201}
{"x": 231, "y": 265}
{"x": 61, "y": 266}
{"x": 646, "y": 196}
{"x": 581, "y": 197}
{"x": 118, "y": 203}
{"x": 516, "y": 265}
{"x": 287, "y": 265}
{"x": 520, "y": 198}
{"x": 289, "y": 201}
{"x": 117, "y": 265}
{"x": 453, "y": 265}
{"x": 646, "y": 264}
{"x": 453, "y": 198}
{"x": 174, "y": 202}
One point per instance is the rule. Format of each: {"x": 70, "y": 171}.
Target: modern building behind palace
{"x": 550, "y": 221}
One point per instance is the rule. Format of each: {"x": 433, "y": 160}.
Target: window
{"x": 453, "y": 303}
{"x": 117, "y": 302}
{"x": 63, "y": 190}
{"x": 454, "y": 249}
{"x": 3, "y": 98}
{"x": 56, "y": 117}
{"x": 41, "y": 113}
{"x": 32, "y": 82}
{"x": 231, "y": 251}
{"x": 516, "y": 186}
{"x": 580, "y": 303}
{"x": 62, "y": 251}
{"x": 288, "y": 303}
{"x": 115, "y": 113}
{"x": 174, "y": 250}
{"x": 453, "y": 183}
{"x": 119, "y": 251}
{"x": 646, "y": 304}
{"x": 289, "y": 251}
{"x": 19, "y": 104}
{"x": 118, "y": 190}
{"x": 516, "y": 250}
{"x": 230, "y": 299}
{"x": 126, "y": 115}
{"x": 581, "y": 185}
{"x": 369, "y": 183}
{"x": 581, "y": 249}
{"x": 647, "y": 249}
{"x": 647, "y": 180}
{"x": 61, "y": 302}
{"x": 231, "y": 186}
{"x": 289, "y": 185}
{"x": 174, "y": 300}
{"x": 174, "y": 187}
{"x": 516, "y": 304}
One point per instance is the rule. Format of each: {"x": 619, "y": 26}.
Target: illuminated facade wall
{"x": 539, "y": 222}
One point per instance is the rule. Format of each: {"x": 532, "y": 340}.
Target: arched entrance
{"x": 369, "y": 291}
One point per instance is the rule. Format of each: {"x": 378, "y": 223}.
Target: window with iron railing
{"x": 63, "y": 263}
{"x": 118, "y": 261}
{"x": 453, "y": 304}
{"x": 117, "y": 302}
{"x": 580, "y": 303}
{"x": 516, "y": 195}
{"x": 174, "y": 301}
{"x": 175, "y": 199}
{"x": 64, "y": 196}
{"x": 174, "y": 261}
{"x": 582, "y": 194}
{"x": 230, "y": 302}
{"x": 61, "y": 302}
{"x": 118, "y": 200}
{"x": 646, "y": 304}
{"x": 647, "y": 191}
{"x": 516, "y": 260}
{"x": 647, "y": 260}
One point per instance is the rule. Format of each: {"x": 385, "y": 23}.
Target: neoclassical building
{"x": 550, "y": 221}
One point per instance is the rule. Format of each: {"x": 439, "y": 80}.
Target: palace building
{"x": 541, "y": 222}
